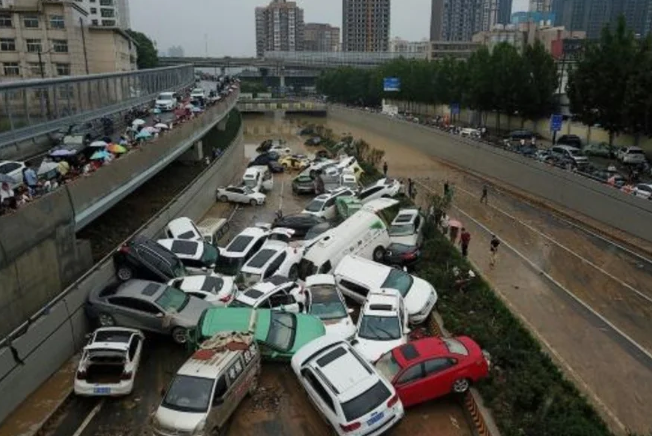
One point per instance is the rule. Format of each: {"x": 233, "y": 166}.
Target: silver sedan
{"x": 147, "y": 306}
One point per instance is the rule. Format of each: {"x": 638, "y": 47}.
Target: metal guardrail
{"x": 32, "y": 108}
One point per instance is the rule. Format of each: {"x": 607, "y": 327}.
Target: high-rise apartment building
{"x": 279, "y": 27}
{"x": 321, "y": 37}
{"x": 592, "y": 15}
{"x": 365, "y": 25}
{"x": 458, "y": 20}
{"x": 540, "y": 5}
{"x": 107, "y": 13}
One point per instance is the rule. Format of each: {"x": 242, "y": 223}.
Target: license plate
{"x": 374, "y": 419}
{"x": 102, "y": 391}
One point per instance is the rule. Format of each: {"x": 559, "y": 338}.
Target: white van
{"x": 258, "y": 178}
{"x": 364, "y": 234}
{"x": 213, "y": 229}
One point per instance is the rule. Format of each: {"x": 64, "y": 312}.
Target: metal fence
{"x": 31, "y": 108}
{"x": 337, "y": 59}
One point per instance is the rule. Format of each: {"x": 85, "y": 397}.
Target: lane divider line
{"x": 89, "y": 418}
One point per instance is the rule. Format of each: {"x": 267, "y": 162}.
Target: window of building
{"x": 63, "y": 69}
{"x": 60, "y": 45}
{"x": 57, "y": 22}
{"x": 34, "y": 45}
{"x": 7, "y": 44}
{"x": 30, "y": 21}
{"x": 106, "y": 2}
{"x": 93, "y": 10}
{"x": 34, "y": 69}
{"x": 108, "y": 23}
{"x": 95, "y": 22}
{"x": 107, "y": 13}
{"x": 11, "y": 69}
{"x": 5, "y": 20}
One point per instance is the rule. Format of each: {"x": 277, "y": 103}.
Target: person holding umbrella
{"x": 493, "y": 250}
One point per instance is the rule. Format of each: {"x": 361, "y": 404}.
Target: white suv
{"x": 382, "y": 325}
{"x": 276, "y": 292}
{"x": 324, "y": 205}
{"x": 382, "y": 188}
{"x": 345, "y": 389}
{"x": 632, "y": 155}
{"x": 271, "y": 261}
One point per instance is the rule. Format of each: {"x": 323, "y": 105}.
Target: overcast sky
{"x": 228, "y": 25}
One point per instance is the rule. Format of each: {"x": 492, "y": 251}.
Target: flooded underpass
{"x": 587, "y": 299}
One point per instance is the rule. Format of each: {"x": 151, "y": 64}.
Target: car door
{"x": 328, "y": 209}
{"x": 319, "y": 395}
{"x": 135, "y": 350}
{"x": 410, "y": 385}
{"x": 268, "y": 181}
{"x": 131, "y": 312}
{"x": 440, "y": 374}
{"x": 353, "y": 290}
{"x": 281, "y": 299}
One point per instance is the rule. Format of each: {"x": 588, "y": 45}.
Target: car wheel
{"x": 253, "y": 202}
{"x": 294, "y": 273}
{"x": 461, "y": 385}
{"x": 224, "y": 198}
{"x": 125, "y": 273}
{"x": 180, "y": 335}
{"x": 378, "y": 254}
{"x": 105, "y": 320}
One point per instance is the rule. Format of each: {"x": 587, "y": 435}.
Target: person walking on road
{"x": 493, "y": 250}
{"x": 385, "y": 168}
{"x": 485, "y": 191}
{"x": 446, "y": 188}
{"x": 410, "y": 188}
{"x": 465, "y": 239}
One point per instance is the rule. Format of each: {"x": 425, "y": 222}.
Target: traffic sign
{"x": 455, "y": 108}
{"x": 391, "y": 84}
{"x": 556, "y": 121}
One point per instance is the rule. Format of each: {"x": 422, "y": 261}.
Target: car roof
{"x": 114, "y": 338}
{"x": 352, "y": 266}
{"x": 215, "y": 354}
{"x": 255, "y": 233}
{"x": 320, "y": 279}
{"x": 261, "y": 290}
{"x": 141, "y": 289}
{"x": 405, "y": 216}
{"x": 181, "y": 225}
{"x": 225, "y": 319}
{"x": 183, "y": 248}
{"x": 263, "y": 258}
{"x": 419, "y": 350}
{"x": 381, "y": 304}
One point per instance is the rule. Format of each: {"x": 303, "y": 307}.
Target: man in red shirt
{"x": 465, "y": 239}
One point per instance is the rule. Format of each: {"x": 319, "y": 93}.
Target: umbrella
{"x": 138, "y": 122}
{"x": 46, "y": 167}
{"x": 151, "y": 129}
{"x": 117, "y": 149}
{"x": 454, "y": 223}
{"x": 143, "y": 134}
{"x": 161, "y": 126}
{"x": 62, "y": 152}
{"x": 5, "y": 178}
{"x": 103, "y": 154}
{"x": 98, "y": 144}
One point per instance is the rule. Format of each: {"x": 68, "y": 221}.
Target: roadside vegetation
{"x": 526, "y": 392}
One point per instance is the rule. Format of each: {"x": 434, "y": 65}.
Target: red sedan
{"x": 432, "y": 367}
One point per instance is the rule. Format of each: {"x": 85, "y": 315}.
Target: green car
{"x": 279, "y": 334}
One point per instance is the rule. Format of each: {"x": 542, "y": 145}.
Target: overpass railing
{"x": 32, "y": 108}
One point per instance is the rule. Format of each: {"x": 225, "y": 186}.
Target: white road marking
{"x": 89, "y": 418}
{"x": 280, "y": 201}
{"x": 611, "y": 276}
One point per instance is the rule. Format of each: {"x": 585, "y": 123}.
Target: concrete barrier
{"x": 30, "y": 357}
{"x": 564, "y": 188}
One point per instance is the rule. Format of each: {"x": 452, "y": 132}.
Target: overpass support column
{"x": 221, "y": 126}
{"x": 194, "y": 153}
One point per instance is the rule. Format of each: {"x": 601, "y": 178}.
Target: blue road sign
{"x": 455, "y": 108}
{"x": 391, "y": 84}
{"x": 556, "y": 121}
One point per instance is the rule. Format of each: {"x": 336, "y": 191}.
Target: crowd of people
{"x": 57, "y": 170}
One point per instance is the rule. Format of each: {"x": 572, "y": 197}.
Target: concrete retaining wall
{"x": 569, "y": 190}
{"x": 31, "y": 358}
{"x": 39, "y": 253}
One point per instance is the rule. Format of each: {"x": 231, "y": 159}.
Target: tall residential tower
{"x": 458, "y": 20}
{"x": 279, "y": 27}
{"x": 365, "y": 25}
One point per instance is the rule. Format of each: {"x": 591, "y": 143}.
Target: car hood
{"x": 171, "y": 420}
{"x": 165, "y": 102}
{"x": 406, "y": 240}
{"x": 308, "y": 328}
{"x": 372, "y": 350}
{"x": 193, "y": 310}
{"x": 342, "y": 328}
{"x": 419, "y": 296}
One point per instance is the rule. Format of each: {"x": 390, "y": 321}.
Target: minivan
{"x": 570, "y": 153}
{"x": 364, "y": 233}
{"x": 207, "y": 389}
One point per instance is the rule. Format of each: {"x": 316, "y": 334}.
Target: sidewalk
{"x": 39, "y": 407}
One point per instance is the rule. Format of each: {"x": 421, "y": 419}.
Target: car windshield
{"x": 326, "y": 303}
{"x": 456, "y": 347}
{"x": 247, "y": 190}
{"x": 229, "y": 266}
{"x": 210, "y": 255}
{"x": 379, "y": 328}
{"x": 172, "y": 300}
{"x": 399, "y": 280}
{"x": 315, "y": 206}
{"x": 250, "y": 183}
{"x": 388, "y": 366}
{"x": 189, "y": 394}
{"x": 575, "y": 152}
{"x": 164, "y": 97}
{"x": 365, "y": 403}
{"x": 401, "y": 230}
{"x": 317, "y": 230}
{"x": 282, "y": 330}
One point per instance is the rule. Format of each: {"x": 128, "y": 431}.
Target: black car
{"x": 275, "y": 167}
{"x": 517, "y": 135}
{"x": 264, "y": 159}
{"x": 145, "y": 259}
{"x": 300, "y": 223}
{"x": 401, "y": 255}
{"x": 572, "y": 140}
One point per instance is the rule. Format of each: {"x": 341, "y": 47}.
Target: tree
{"x": 541, "y": 82}
{"x": 597, "y": 87}
{"x": 147, "y": 53}
{"x": 481, "y": 94}
{"x": 510, "y": 76}
{"x": 638, "y": 99}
